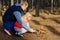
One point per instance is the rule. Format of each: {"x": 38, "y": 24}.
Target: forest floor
{"x": 47, "y": 24}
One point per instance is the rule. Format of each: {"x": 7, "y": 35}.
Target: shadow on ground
{"x": 52, "y": 29}
{"x": 55, "y": 20}
{"x": 36, "y": 22}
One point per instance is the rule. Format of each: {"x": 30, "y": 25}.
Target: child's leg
{"x": 20, "y": 31}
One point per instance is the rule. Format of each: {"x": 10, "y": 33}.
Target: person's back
{"x": 9, "y": 13}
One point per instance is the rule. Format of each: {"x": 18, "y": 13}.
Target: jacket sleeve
{"x": 17, "y": 14}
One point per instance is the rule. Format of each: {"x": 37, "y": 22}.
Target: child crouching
{"x": 20, "y": 29}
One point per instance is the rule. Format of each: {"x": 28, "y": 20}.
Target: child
{"x": 20, "y": 29}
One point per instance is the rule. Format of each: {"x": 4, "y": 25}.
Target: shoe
{"x": 21, "y": 35}
{"x": 8, "y": 32}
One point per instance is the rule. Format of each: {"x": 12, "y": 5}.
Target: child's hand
{"x": 32, "y": 30}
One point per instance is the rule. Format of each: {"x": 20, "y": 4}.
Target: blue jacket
{"x": 9, "y": 16}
